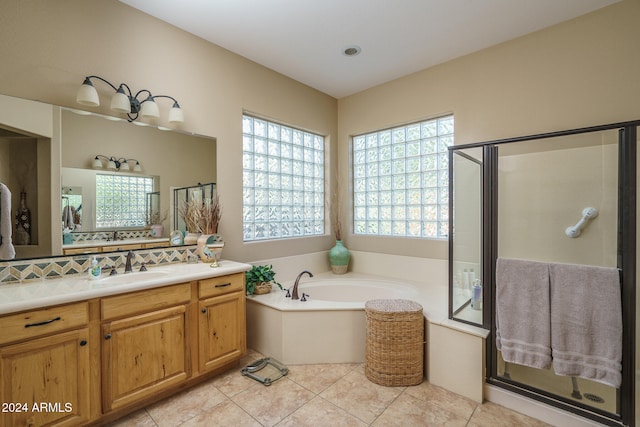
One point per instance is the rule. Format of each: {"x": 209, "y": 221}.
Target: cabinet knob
{"x": 204, "y": 311}
{"x": 83, "y": 343}
{"x": 107, "y": 336}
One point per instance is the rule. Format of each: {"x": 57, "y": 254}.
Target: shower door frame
{"x": 626, "y": 260}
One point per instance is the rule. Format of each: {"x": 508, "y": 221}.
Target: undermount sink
{"x": 136, "y": 276}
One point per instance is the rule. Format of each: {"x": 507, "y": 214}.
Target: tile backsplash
{"x": 56, "y": 267}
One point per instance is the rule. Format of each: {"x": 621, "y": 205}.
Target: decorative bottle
{"x": 339, "y": 257}
{"x": 23, "y": 222}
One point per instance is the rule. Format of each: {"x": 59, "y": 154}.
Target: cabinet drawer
{"x": 220, "y": 285}
{"x": 16, "y": 327}
{"x": 145, "y": 301}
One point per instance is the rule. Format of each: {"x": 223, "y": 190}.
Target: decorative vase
{"x": 191, "y": 238}
{"x": 339, "y": 257}
{"x": 23, "y": 222}
{"x": 157, "y": 230}
{"x": 209, "y": 248}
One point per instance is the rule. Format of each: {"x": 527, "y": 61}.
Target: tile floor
{"x": 316, "y": 396}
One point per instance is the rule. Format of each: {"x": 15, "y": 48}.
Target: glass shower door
{"x": 558, "y": 203}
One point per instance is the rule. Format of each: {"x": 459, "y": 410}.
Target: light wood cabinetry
{"x": 146, "y": 350}
{"x": 222, "y": 321}
{"x": 114, "y": 247}
{"x": 45, "y": 367}
{"x": 93, "y": 361}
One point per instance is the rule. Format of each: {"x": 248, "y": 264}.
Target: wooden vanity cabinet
{"x": 145, "y": 344}
{"x": 222, "y": 321}
{"x": 44, "y": 366}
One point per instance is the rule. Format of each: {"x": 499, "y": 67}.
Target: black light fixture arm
{"x": 175, "y": 102}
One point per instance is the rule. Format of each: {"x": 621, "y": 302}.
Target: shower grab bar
{"x": 587, "y": 215}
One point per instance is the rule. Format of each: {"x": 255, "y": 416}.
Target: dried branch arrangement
{"x": 201, "y": 217}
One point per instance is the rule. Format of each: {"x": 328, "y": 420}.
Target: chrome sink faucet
{"x": 127, "y": 266}
{"x": 294, "y": 294}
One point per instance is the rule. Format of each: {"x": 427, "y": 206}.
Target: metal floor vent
{"x": 274, "y": 370}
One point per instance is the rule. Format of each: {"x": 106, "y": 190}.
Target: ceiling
{"x": 305, "y": 39}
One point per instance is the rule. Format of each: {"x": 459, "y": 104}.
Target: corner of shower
{"x": 516, "y": 199}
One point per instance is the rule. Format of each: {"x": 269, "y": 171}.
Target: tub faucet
{"x": 127, "y": 266}
{"x": 294, "y": 294}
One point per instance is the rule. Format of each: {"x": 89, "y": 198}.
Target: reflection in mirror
{"x": 175, "y": 158}
{"x": 112, "y": 201}
{"x": 466, "y": 238}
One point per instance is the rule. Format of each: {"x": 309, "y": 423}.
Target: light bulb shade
{"x": 149, "y": 109}
{"x": 112, "y": 165}
{"x": 175, "y": 114}
{"x": 97, "y": 163}
{"x": 120, "y": 102}
{"x": 87, "y": 94}
{"x": 124, "y": 166}
{"x": 137, "y": 167}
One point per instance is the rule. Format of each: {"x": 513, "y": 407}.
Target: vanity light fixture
{"x": 116, "y": 164}
{"x": 123, "y": 101}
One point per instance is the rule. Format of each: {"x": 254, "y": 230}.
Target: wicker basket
{"x": 395, "y": 342}
{"x": 262, "y": 288}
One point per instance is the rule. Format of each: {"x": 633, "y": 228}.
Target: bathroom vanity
{"x": 75, "y": 351}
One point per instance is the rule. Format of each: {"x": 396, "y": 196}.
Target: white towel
{"x": 586, "y": 322}
{"x": 523, "y": 329}
{"x": 7, "y": 251}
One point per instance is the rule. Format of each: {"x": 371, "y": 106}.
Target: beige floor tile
{"x": 225, "y": 414}
{"x": 139, "y": 418}
{"x": 443, "y": 398}
{"x": 318, "y": 377}
{"x": 232, "y": 382}
{"x": 271, "y": 404}
{"x": 360, "y": 397}
{"x": 491, "y": 415}
{"x": 186, "y": 405}
{"x": 320, "y": 413}
{"x": 407, "y": 410}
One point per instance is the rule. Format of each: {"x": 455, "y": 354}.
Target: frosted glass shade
{"x": 150, "y": 109}
{"x": 175, "y": 114}
{"x": 111, "y": 165}
{"x": 120, "y": 103}
{"x": 97, "y": 163}
{"x": 87, "y": 95}
{"x": 124, "y": 166}
{"x": 137, "y": 167}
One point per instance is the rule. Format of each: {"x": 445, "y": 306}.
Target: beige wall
{"x": 580, "y": 73}
{"x": 48, "y": 47}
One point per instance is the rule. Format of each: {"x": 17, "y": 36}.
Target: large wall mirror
{"x": 53, "y": 178}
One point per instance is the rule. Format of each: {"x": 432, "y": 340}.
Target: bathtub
{"x": 329, "y": 327}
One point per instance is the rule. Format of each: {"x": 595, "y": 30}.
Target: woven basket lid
{"x": 393, "y": 305}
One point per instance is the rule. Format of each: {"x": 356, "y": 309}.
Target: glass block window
{"x": 401, "y": 180}
{"x": 120, "y": 200}
{"x": 282, "y": 181}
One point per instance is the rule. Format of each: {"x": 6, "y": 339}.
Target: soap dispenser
{"x": 95, "y": 270}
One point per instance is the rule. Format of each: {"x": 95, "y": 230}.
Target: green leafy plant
{"x": 259, "y": 274}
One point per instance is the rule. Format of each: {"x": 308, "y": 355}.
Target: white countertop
{"x": 46, "y": 292}
{"x": 105, "y": 242}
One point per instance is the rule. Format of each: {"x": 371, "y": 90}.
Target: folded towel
{"x": 523, "y": 330}
{"x": 7, "y": 251}
{"x": 586, "y": 322}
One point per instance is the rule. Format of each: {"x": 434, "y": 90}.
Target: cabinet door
{"x": 45, "y": 382}
{"x": 222, "y": 330}
{"x": 142, "y": 355}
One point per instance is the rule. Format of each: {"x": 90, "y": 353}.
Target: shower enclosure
{"x": 564, "y": 198}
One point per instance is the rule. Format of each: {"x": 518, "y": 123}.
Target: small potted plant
{"x": 259, "y": 279}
